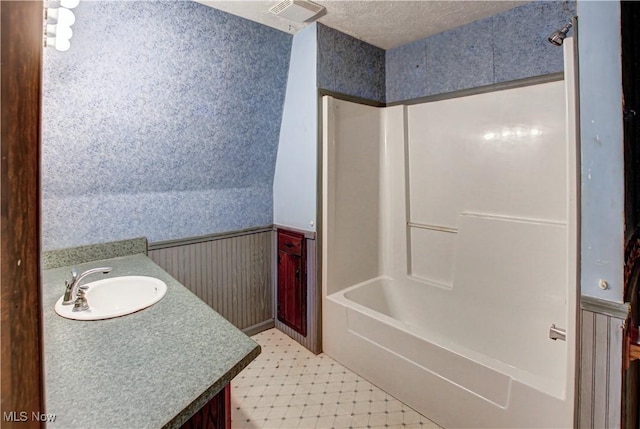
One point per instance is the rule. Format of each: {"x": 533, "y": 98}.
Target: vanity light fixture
{"x": 57, "y": 42}
{"x": 59, "y": 31}
{"x": 69, "y": 4}
{"x": 57, "y": 25}
{"x": 60, "y": 15}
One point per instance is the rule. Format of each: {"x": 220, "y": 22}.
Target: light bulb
{"x": 62, "y": 16}
{"x": 63, "y": 32}
{"x": 62, "y": 44}
{"x": 59, "y": 44}
{"x": 59, "y": 31}
{"x": 69, "y": 4}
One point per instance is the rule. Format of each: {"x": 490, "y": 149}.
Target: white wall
{"x": 295, "y": 178}
{"x": 602, "y": 148}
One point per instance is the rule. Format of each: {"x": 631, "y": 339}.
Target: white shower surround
{"x": 449, "y": 233}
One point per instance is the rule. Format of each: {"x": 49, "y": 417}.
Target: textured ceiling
{"x": 385, "y": 24}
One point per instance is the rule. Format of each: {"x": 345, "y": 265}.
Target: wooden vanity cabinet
{"x": 215, "y": 414}
{"x": 292, "y": 280}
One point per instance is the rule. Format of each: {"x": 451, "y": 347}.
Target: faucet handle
{"x": 71, "y": 287}
{"x": 74, "y": 277}
{"x": 81, "y": 303}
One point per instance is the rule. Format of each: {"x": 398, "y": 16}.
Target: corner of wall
{"x": 295, "y": 178}
{"x": 349, "y": 66}
{"x": 602, "y": 149}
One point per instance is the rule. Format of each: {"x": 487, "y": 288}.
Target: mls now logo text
{"x": 24, "y": 416}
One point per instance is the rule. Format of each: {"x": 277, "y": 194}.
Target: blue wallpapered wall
{"x": 162, "y": 120}
{"x": 350, "y": 66}
{"x": 508, "y": 46}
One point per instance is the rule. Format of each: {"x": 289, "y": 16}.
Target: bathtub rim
{"x": 519, "y": 375}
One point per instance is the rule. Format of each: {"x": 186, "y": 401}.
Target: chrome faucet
{"x": 71, "y": 286}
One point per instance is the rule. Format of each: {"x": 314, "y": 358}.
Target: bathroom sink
{"x": 116, "y": 296}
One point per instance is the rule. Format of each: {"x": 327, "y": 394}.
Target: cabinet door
{"x": 215, "y": 414}
{"x": 292, "y": 297}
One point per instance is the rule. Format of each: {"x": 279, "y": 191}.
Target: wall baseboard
{"x": 262, "y": 326}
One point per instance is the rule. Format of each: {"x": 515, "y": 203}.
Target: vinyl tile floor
{"x": 287, "y": 386}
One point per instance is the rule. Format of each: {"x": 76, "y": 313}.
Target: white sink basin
{"x": 116, "y": 296}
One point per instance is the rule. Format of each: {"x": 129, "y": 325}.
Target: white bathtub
{"x": 449, "y": 250}
{"x": 374, "y": 330}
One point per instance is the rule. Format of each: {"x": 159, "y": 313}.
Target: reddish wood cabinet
{"x": 292, "y": 280}
{"x": 215, "y": 414}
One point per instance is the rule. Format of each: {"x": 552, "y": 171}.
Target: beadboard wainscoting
{"x": 231, "y": 272}
{"x": 600, "y": 384}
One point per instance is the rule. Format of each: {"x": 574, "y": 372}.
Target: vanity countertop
{"x": 150, "y": 369}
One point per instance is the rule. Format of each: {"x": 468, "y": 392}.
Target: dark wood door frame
{"x": 22, "y": 373}
{"x": 630, "y": 14}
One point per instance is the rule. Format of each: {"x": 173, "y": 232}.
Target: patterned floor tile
{"x": 289, "y": 387}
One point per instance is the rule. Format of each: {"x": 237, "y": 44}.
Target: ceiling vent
{"x": 296, "y": 10}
